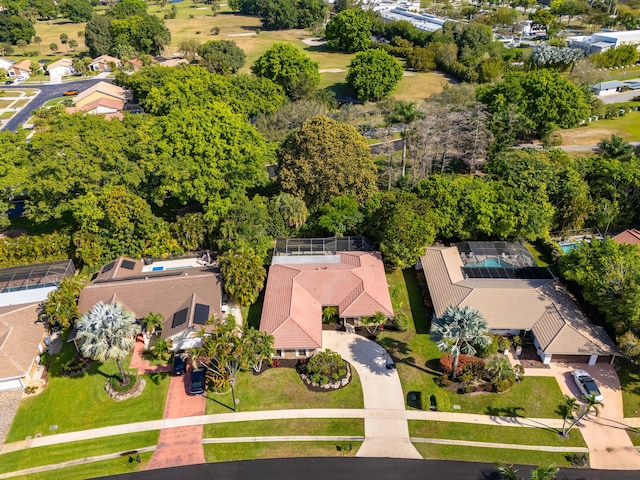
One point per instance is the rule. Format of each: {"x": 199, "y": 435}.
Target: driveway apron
{"x": 387, "y": 435}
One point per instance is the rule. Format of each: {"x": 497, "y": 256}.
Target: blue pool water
{"x": 490, "y": 262}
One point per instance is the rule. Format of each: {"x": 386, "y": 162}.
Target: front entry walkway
{"x": 387, "y": 433}
{"x": 182, "y": 445}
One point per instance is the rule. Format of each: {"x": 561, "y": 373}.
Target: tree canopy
{"x": 287, "y": 66}
{"x": 221, "y": 56}
{"x": 325, "y": 158}
{"x": 373, "y": 74}
{"x": 349, "y": 30}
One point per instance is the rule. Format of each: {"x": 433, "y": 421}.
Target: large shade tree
{"x": 324, "y": 159}
{"x": 373, "y": 74}
{"x": 459, "y": 330}
{"x": 108, "y": 332}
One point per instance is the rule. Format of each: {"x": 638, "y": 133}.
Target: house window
{"x": 301, "y": 352}
{"x": 279, "y": 353}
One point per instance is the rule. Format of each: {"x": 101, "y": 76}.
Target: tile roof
{"x": 176, "y": 294}
{"x": 105, "y": 88}
{"x": 105, "y": 59}
{"x": 22, "y": 65}
{"x": 20, "y": 336}
{"x": 63, "y": 62}
{"x": 297, "y": 292}
{"x": 541, "y": 305}
{"x": 631, "y": 237}
{"x": 107, "y": 102}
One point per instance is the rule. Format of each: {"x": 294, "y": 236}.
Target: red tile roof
{"x": 297, "y": 292}
{"x": 631, "y": 237}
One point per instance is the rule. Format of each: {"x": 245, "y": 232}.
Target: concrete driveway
{"x": 609, "y": 445}
{"x": 386, "y": 435}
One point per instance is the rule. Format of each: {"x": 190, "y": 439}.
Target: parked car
{"x": 587, "y": 384}
{"x": 179, "y": 364}
{"x": 9, "y": 82}
{"x": 198, "y": 381}
{"x": 70, "y": 93}
{"x": 21, "y": 78}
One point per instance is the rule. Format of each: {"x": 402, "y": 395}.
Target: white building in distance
{"x": 603, "y": 41}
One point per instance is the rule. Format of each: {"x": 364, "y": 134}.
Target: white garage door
{"x": 10, "y": 384}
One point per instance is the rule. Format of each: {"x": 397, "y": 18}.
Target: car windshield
{"x": 591, "y": 386}
{"x": 196, "y": 379}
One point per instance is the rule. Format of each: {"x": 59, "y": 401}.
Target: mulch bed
{"x": 529, "y": 358}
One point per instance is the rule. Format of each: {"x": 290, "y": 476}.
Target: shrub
{"x": 489, "y": 350}
{"x": 45, "y": 358}
{"x": 465, "y": 362}
{"x": 503, "y": 344}
{"x": 502, "y": 385}
{"x": 401, "y": 321}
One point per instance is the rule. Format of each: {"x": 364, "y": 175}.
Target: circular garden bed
{"x": 325, "y": 371}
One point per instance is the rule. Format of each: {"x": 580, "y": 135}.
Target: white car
{"x": 587, "y": 384}
{"x": 20, "y": 78}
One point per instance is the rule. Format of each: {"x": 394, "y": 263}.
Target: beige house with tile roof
{"x": 515, "y": 305}
{"x": 300, "y": 286}
{"x": 186, "y": 297}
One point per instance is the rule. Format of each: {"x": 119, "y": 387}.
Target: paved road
{"x": 355, "y": 468}
{"x": 47, "y": 92}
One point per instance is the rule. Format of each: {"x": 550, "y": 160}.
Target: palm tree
{"x": 329, "y": 314}
{"x": 108, "y": 332}
{"x": 61, "y": 306}
{"x": 293, "y": 209}
{"x": 372, "y": 323}
{"x": 499, "y": 368}
{"x": 567, "y": 409}
{"x": 243, "y": 275}
{"x": 457, "y": 331}
{"x": 508, "y": 472}
{"x": 152, "y": 323}
{"x": 259, "y": 347}
{"x": 592, "y": 405}
{"x": 404, "y": 113}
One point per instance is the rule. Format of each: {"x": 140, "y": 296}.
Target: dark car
{"x": 9, "y": 82}
{"x": 197, "y": 385}
{"x": 179, "y": 364}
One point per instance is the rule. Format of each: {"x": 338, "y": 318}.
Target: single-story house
{"x": 23, "y": 67}
{"x": 104, "y": 63}
{"x": 603, "y": 89}
{"x": 101, "y": 90}
{"x": 186, "y": 297}
{"x": 501, "y": 281}
{"x": 21, "y": 341}
{"x": 630, "y": 236}
{"x": 99, "y": 106}
{"x": 27, "y": 284}
{"x": 343, "y": 273}
{"x": 60, "y": 68}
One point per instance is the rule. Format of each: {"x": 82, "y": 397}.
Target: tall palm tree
{"x": 108, "y": 332}
{"x": 457, "y": 331}
{"x": 404, "y": 113}
{"x": 61, "y": 306}
{"x": 592, "y": 405}
{"x": 567, "y": 409}
{"x": 243, "y": 275}
{"x": 373, "y": 323}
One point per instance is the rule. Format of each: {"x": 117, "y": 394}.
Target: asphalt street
{"x": 47, "y": 92}
{"x": 355, "y": 468}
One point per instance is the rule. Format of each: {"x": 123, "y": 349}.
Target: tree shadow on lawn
{"x": 157, "y": 377}
{"x": 418, "y": 309}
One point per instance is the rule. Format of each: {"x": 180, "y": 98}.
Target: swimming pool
{"x": 490, "y": 262}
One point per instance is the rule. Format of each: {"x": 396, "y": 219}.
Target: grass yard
{"x": 635, "y": 437}
{"x": 35, "y": 457}
{"x": 92, "y": 470}
{"x": 5, "y": 103}
{"x": 301, "y": 426}
{"x": 490, "y": 455}
{"x": 538, "y": 256}
{"x": 420, "y": 85}
{"x": 6, "y": 115}
{"x": 494, "y": 434}
{"x": 629, "y": 376}
{"x": 81, "y": 403}
{"x": 21, "y": 103}
{"x": 228, "y": 452}
{"x": 627, "y": 127}
{"x": 281, "y": 388}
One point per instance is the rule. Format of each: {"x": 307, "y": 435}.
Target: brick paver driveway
{"x": 9, "y": 403}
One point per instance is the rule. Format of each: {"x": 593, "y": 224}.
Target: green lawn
{"x": 35, "y": 457}
{"x": 92, "y": 470}
{"x": 281, "y": 388}
{"x": 494, "y": 434}
{"x": 629, "y": 376}
{"x": 81, "y": 403}
{"x": 294, "y": 426}
{"x": 227, "y": 452}
{"x": 6, "y": 115}
{"x": 490, "y": 455}
{"x": 635, "y": 437}
{"x": 537, "y": 255}
{"x": 627, "y": 127}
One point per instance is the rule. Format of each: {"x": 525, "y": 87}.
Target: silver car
{"x": 587, "y": 384}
